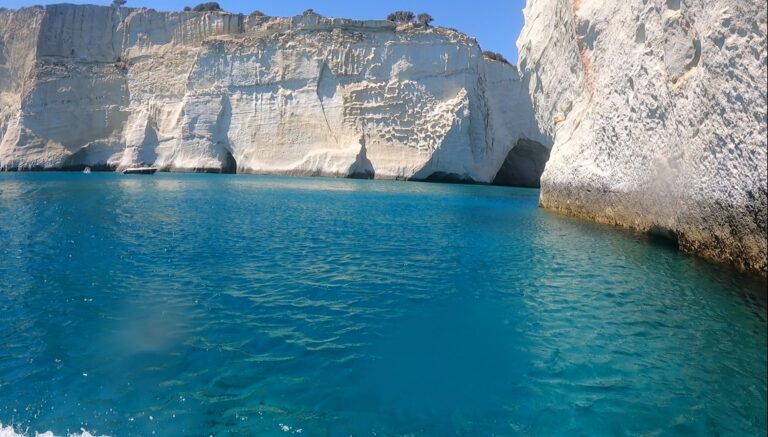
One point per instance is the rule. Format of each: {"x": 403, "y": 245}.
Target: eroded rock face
{"x": 89, "y": 85}
{"x": 657, "y": 113}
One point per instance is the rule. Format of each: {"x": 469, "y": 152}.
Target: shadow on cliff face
{"x": 449, "y": 178}
{"x": 433, "y": 169}
{"x": 148, "y": 152}
{"x": 223, "y": 123}
{"x": 362, "y": 168}
{"x": 523, "y": 166}
{"x": 95, "y": 156}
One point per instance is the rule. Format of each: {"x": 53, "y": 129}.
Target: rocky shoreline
{"x": 656, "y": 111}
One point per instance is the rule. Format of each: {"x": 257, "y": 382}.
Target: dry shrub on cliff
{"x": 495, "y": 56}
{"x": 401, "y": 17}
{"x": 425, "y": 19}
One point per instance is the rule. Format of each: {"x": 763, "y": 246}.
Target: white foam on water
{"x": 8, "y": 431}
{"x": 285, "y": 428}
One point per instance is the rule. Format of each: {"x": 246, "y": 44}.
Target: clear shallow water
{"x": 241, "y": 305}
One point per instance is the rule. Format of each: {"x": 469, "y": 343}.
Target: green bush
{"x": 425, "y": 19}
{"x": 209, "y": 6}
{"x": 401, "y": 17}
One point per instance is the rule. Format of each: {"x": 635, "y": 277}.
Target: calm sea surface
{"x": 242, "y": 305}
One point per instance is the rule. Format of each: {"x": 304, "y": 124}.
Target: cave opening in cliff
{"x": 230, "y": 164}
{"x": 524, "y": 165}
{"x": 664, "y": 237}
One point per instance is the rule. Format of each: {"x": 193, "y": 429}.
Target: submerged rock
{"x": 657, "y": 113}
{"x": 190, "y": 91}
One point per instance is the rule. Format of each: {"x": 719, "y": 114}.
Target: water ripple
{"x": 199, "y": 304}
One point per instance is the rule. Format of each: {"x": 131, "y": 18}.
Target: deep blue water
{"x": 241, "y": 305}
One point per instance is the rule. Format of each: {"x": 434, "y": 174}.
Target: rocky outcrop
{"x": 188, "y": 91}
{"x": 657, "y": 113}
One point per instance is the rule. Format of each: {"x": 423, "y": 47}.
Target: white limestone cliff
{"x": 655, "y": 110}
{"x": 187, "y": 91}
{"x": 657, "y": 113}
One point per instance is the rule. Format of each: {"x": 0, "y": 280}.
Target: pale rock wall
{"x": 18, "y": 40}
{"x": 212, "y": 91}
{"x": 656, "y": 110}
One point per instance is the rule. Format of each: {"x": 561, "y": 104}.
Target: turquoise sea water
{"x": 241, "y": 305}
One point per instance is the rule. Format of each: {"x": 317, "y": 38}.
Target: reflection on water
{"x": 211, "y": 304}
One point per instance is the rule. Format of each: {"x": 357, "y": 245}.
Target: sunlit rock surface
{"x": 657, "y": 113}
{"x": 187, "y": 91}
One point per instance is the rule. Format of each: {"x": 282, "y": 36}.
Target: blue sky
{"x": 495, "y": 23}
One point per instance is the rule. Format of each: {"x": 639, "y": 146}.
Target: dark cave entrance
{"x": 523, "y": 166}
{"x": 230, "y": 164}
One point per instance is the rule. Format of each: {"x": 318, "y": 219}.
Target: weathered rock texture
{"x": 657, "y": 113}
{"x": 89, "y": 85}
